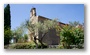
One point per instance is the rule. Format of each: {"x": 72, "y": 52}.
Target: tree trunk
{"x": 41, "y": 43}
{"x": 35, "y": 42}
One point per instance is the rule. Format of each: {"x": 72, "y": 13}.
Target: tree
{"x": 74, "y": 24}
{"x": 18, "y": 32}
{"x": 41, "y": 27}
{"x": 7, "y": 24}
{"x": 7, "y": 17}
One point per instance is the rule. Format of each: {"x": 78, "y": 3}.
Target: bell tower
{"x": 33, "y": 20}
{"x": 33, "y": 12}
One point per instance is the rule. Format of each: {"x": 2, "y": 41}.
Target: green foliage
{"x": 31, "y": 27}
{"x": 24, "y": 46}
{"x": 79, "y": 36}
{"x": 29, "y": 45}
{"x": 25, "y": 37}
{"x": 60, "y": 47}
{"x": 18, "y": 33}
{"x": 7, "y": 24}
{"x": 7, "y": 17}
{"x": 7, "y": 36}
{"x": 72, "y": 36}
{"x": 40, "y": 46}
{"x": 20, "y": 40}
{"x": 41, "y": 26}
{"x": 58, "y": 30}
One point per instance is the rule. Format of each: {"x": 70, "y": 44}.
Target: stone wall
{"x": 50, "y": 38}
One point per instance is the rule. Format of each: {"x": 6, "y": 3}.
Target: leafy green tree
{"x": 18, "y": 32}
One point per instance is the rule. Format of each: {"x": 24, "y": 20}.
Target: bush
{"x": 24, "y": 46}
{"x": 72, "y": 36}
{"x": 40, "y": 46}
{"x": 60, "y": 47}
{"x": 29, "y": 45}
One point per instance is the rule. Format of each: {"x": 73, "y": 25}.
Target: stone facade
{"x": 51, "y": 38}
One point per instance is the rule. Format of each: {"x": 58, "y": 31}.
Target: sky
{"x": 64, "y": 12}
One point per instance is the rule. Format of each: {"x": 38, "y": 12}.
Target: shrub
{"x": 29, "y": 45}
{"x": 60, "y": 47}
{"x": 72, "y": 36}
{"x": 24, "y": 46}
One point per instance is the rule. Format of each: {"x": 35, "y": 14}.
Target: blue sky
{"x": 64, "y": 12}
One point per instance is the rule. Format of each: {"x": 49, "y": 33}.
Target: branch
{"x": 43, "y": 35}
